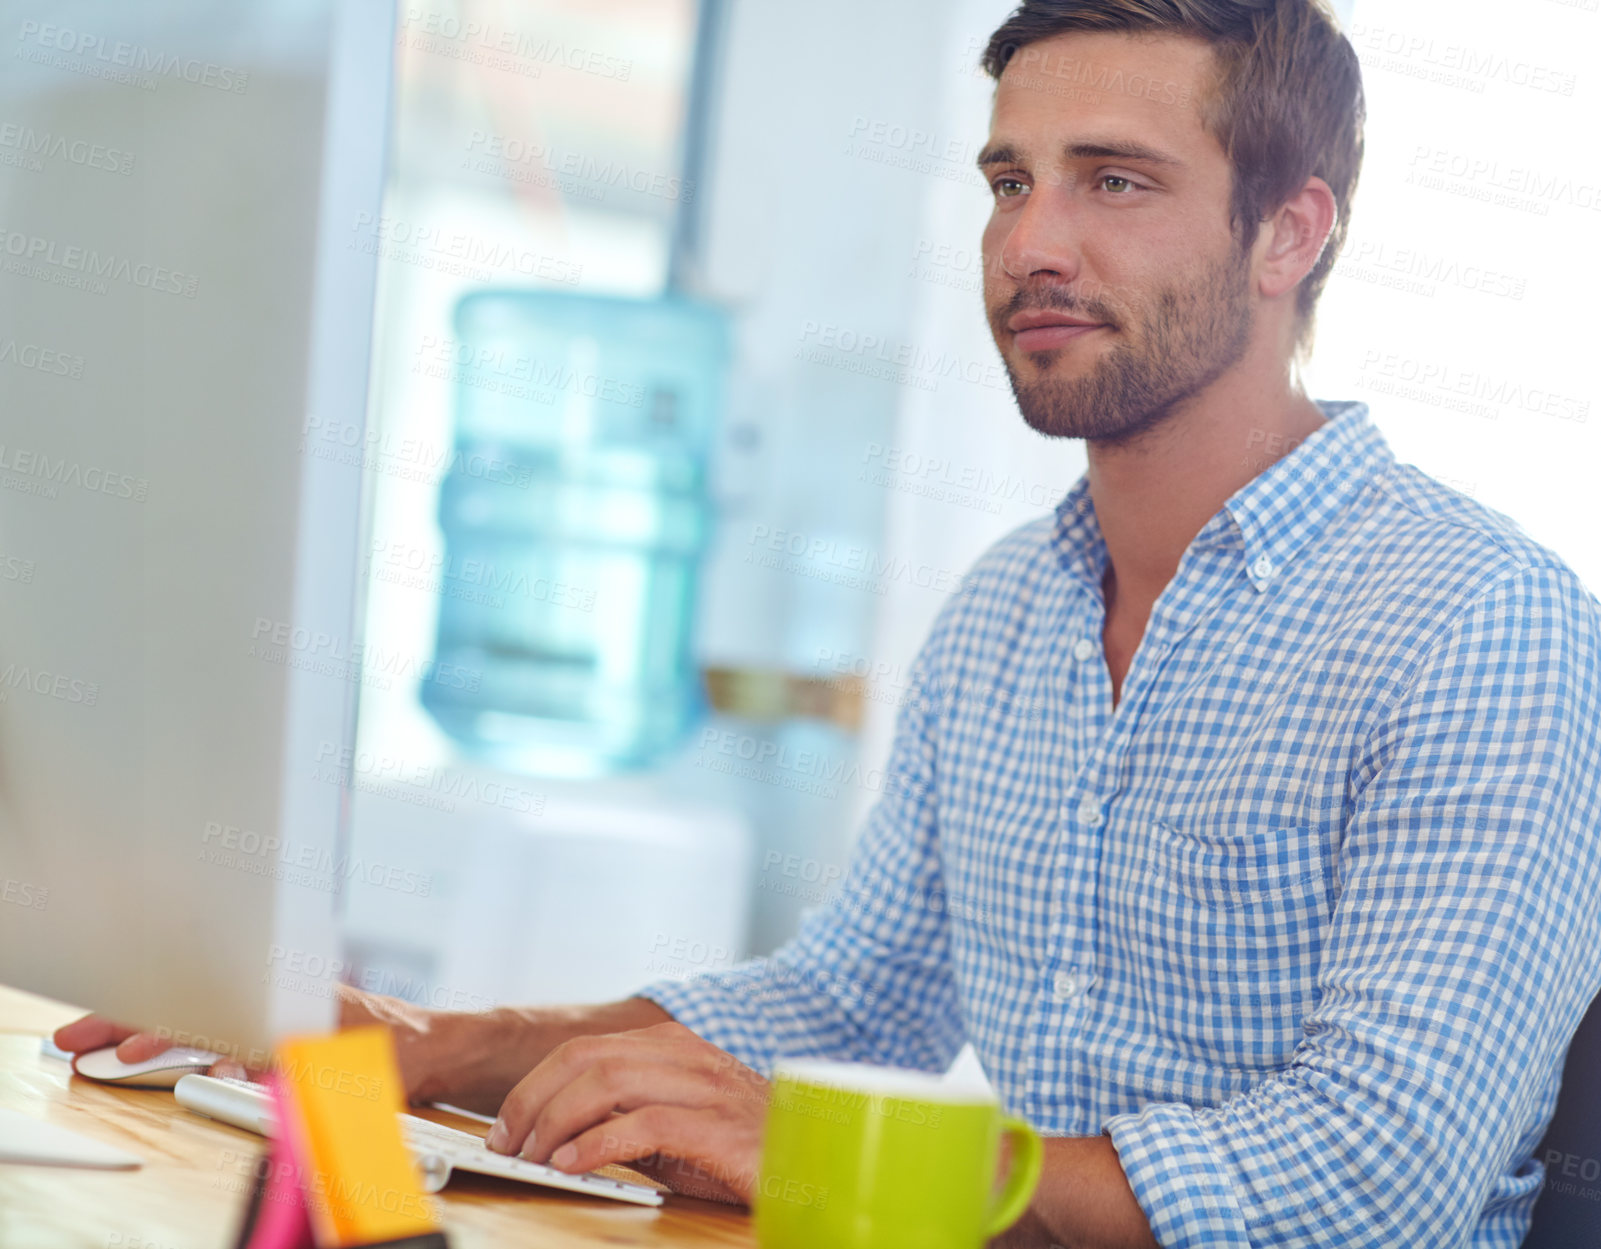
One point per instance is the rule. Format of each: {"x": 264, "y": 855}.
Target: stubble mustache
{"x": 1050, "y": 299}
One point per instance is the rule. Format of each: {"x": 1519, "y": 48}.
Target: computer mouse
{"x": 160, "y": 1072}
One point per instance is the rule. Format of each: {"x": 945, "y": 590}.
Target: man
{"x": 1277, "y": 907}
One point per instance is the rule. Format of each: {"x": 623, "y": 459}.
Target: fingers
{"x": 142, "y": 1045}
{"x": 92, "y": 1032}
{"x": 693, "y": 1112}
{"x": 609, "y": 1085}
{"x": 571, "y": 1060}
{"x": 698, "y": 1152}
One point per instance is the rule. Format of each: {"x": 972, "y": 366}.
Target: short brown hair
{"x": 1287, "y": 103}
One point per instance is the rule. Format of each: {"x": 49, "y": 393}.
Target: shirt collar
{"x": 1271, "y": 518}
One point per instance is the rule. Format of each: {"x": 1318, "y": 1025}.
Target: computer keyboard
{"x": 439, "y": 1150}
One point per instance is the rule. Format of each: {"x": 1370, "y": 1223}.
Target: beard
{"x": 1190, "y": 335}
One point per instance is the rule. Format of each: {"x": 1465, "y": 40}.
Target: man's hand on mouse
{"x": 468, "y": 1058}
{"x": 94, "y": 1032}
{"x": 660, "y": 1099}
{"x": 410, "y": 1025}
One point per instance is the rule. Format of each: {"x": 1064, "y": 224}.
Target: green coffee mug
{"x": 858, "y": 1157}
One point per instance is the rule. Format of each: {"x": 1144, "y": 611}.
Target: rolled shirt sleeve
{"x": 868, "y": 978}
{"x": 1462, "y": 952}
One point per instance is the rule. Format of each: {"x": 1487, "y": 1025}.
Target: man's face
{"x": 1111, "y": 209}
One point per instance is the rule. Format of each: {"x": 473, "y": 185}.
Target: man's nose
{"x": 1043, "y": 237}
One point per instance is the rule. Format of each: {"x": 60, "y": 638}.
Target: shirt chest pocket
{"x": 1230, "y": 936}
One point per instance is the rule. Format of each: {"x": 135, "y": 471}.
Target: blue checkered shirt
{"x": 1305, "y": 923}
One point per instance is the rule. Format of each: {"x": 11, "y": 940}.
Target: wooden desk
{"x": 190, "y": 1192}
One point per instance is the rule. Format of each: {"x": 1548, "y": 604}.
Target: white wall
{"x": 1465, "y": 323}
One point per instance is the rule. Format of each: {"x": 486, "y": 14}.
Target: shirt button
{"x": 1089, "y": 812}
{"x": 1263, "y": 568}
{"x": 1083, "y": 649}
{"x": 1065, "y": 986}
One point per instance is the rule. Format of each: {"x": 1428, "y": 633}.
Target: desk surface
{"x": 190, "y": 1192}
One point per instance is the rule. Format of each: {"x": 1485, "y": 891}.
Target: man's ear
{"x": 1294, "y": 237}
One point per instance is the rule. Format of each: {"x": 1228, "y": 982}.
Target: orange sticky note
{"x": 361, "y": 1183}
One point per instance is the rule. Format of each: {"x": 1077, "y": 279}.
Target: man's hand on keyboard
{"x": 660, "y": 1099}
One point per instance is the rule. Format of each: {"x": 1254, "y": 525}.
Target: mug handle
{"x": 1027, "y": 1156}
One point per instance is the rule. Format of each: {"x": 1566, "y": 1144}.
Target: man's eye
{"x": 1128, "y": 184}
{"x": 1009, "y": 188}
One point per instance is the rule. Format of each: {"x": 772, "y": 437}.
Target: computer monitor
{"x": 187, "y": 197}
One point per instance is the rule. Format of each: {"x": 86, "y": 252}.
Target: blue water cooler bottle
{"x": 575, "y": 513}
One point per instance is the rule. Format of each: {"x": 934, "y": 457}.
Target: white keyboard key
{"x": 438, "y": 1149}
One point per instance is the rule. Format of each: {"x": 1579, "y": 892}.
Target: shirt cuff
{"x": 1178, "y": 1179}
